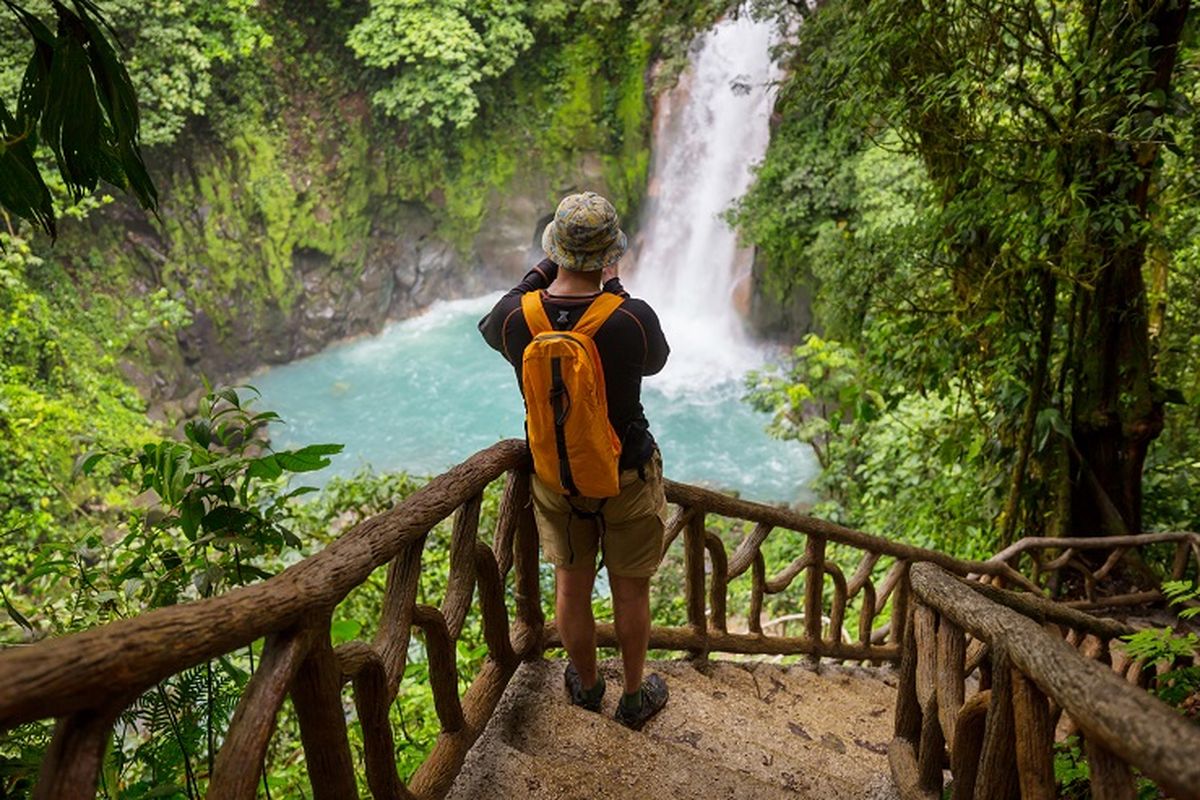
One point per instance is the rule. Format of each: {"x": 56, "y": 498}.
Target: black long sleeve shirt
{"x": 630, "y": 342}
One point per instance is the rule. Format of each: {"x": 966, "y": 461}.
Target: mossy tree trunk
{"x": 1115, "y": 411}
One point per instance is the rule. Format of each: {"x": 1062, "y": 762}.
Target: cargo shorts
{"x": 629, "y": 527}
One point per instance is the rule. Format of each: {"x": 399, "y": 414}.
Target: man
{"x": 583, "y": 243}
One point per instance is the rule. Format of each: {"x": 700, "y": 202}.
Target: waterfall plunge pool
{"x": 427, "y": 392}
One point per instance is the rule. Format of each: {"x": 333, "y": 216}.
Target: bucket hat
{"x": 585, "y": 234}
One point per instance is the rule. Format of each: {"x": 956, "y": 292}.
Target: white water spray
{"x": 710, "y": 130}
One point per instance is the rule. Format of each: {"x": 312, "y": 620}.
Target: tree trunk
{"x": 1115, "y": 415}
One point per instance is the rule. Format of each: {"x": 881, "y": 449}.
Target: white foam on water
{"x": 710, "y": 131}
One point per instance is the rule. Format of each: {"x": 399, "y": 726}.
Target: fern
{"x": 1180, "y": 593}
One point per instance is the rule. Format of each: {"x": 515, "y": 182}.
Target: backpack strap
{"x": 598, "y": 313}
{"x": 535, "y": 313}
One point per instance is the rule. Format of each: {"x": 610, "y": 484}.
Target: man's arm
{"x": 657, "y": 348}
{"x": 492, "y": 325}
{"x": 611, "y": 281}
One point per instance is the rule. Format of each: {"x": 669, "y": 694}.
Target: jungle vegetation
{"x": 994, "y": 203}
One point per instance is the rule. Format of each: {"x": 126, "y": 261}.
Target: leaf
{"x": 344, "y": 630}
{"x": 265, "y": 468}
{"x": 198, "y": 431}
{"x": 89, "y": 462}
{"x": 22, "y": 189}
{"x": 190, "y": 516}
{"x": 226, "y": 519}
{"x": 15, "y": 615}
{"x": 170, "y": 559}
{"x": 307, "y": 459}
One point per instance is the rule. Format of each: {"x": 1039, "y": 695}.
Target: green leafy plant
{"x": 1178, "y": 686}
{"x": 77, "y": 99}
{"x": 218, "y": 496}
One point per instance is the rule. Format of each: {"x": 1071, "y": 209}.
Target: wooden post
{"x": 460, "y": 584}
{"x": 693, "y": 558}
{"x": 527, "y": 592}
{"x": 967, "y": 744}
{"x": 908, "y": 708}
{"x": 951, "y": 677}
{"x": 491, "y": 606}
{"x": 814, "y": 553}
{"x": 1034, "y": 740}
{"x": 932, "y": 752}
{"x": 720, "y": 569}
{"x": 72, "y": 763}
{"x": 924, "y": 635}
{"x": 239, "y": 762}
{"x": 758, "y": 586}
{"x": 317, "y": 697}
{"x": 516, "y": 494}
{"x": 1111, "y": 778}
{"x": 900, "y": 603}
{"x": 443, "y": 668}
{"x": 395, "y": 618}
{"x": 997, "y": 773}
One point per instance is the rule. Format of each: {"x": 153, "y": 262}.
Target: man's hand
{"x": 608, "y": 273}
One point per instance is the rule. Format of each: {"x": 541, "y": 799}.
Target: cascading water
{"x": 709, "y": 132}
{"x": 427, "y": 392}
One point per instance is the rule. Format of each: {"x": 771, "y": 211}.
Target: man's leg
{"x": 576, "y": 625}
{"x": 631, "y": 609}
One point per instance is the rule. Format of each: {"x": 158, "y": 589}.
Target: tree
{"x": 438, "y": 52}
{"x": 1040, "y": 128}
{"x": 76, "y": 98}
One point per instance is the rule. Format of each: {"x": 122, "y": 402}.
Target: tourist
{"x": 598, "y": 485}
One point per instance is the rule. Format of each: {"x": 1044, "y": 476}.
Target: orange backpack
{"x": 575, "y": 449}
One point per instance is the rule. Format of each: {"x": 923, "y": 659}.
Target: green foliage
{"x": 77, "y": 99}
{"x": 1162, "y": 645}
{"x": 1159, "y": 645}
{"x": 175, "y": 49}
{"x": 61, "y": 385}
{"x": 213, "y": 515}
{"x": 957, "y": 187}
{"x": 439, "y": 53}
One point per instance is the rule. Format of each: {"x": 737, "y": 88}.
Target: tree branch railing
{"x": 998, "y": 741}
{"x": 85, "y": 680}
{"x": 1046, "y": 560}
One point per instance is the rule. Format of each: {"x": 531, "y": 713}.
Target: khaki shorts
{"x": 633, "y": 524}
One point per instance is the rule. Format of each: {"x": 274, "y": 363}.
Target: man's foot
{"x": 636, "y": 709}
{"x": 584, "y": 698}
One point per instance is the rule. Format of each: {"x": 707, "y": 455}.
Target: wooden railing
{"x": 1050, "y": 561}
{"x": 85, "y": 680}
{"x": 983, "y": 687}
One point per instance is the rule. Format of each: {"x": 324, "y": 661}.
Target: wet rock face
{"x": 404, "y": 267}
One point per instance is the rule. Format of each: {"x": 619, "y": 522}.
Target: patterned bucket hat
{"x": 585, "y": 234}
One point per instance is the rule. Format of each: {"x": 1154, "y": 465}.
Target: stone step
{"x": 730, "y": 731}
{"x": 748, "y": 719}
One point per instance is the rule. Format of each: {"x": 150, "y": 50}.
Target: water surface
{"x": 428, "y": 392}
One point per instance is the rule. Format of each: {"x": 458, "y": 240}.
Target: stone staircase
{"x": 745, "y": 729}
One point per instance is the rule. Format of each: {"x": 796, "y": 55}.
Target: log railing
{"x": 824, "y": 590}
{"x": 984, "y": 687}
{"x": 1048, "y": 561}
{"x": 85, "y": 680}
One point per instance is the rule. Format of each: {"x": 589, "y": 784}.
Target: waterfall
{"x": 709, "y": 131}
{"x": 427, "y": 392}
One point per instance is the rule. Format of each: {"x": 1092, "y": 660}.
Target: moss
{"x": 628, "y": 170}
